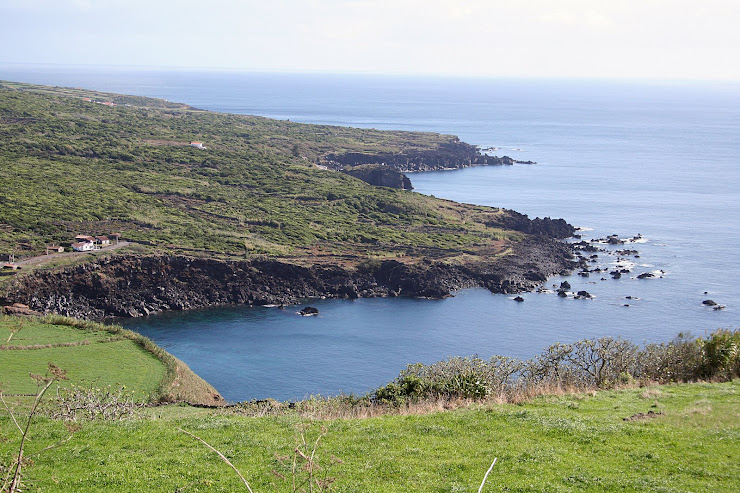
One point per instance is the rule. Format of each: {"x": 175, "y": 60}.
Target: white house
{"x": 85, "y": 246}
{"x": 199, "y": 145}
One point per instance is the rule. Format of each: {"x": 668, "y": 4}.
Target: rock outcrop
{"x": 452, "y": 155}
{"x": 132, "y": 286}
{"x": 380, "y": 176}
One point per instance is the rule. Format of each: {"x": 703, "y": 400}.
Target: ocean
{"x": 654, "y": 158}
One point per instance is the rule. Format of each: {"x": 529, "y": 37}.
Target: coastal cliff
{"x": 453, "y": 154}
{"x": 380, "y": 176}
{"x": 132, "y": 286}
{"x": 191, "y": 191}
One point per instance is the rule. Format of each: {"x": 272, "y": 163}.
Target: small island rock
{"x": 308, "y": 311}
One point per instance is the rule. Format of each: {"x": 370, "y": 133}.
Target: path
{"x": 42, "y": 259}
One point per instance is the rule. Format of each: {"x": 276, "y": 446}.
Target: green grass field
{"x": 564, "y": 443}
{"x": 572, "y": 442}
{"x": 101, "y": 359}
{"x": 92, "y": 355}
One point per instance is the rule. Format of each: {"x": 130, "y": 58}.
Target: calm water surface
{"x": 615, "y": 157}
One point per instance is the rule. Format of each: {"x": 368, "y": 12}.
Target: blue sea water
{"x": 655, "y": 158}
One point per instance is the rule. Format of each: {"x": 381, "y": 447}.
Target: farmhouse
{"x": 103, "y": 241}
{"x": 84, "y": 246}
{"x": 199, "y": 145}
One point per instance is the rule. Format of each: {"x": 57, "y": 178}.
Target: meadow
{"x": 633, "y": 437}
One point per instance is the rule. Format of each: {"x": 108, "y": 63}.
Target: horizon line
{"x": 243, "y": 70}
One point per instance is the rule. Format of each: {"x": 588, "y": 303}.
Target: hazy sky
{"x": 690, "y": 39}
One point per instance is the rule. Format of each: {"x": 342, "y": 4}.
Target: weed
{"x": 12, "y": 481}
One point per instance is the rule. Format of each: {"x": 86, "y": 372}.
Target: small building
{"x": 87, "y": 100}
{"x": 115, "y": 237}
{"x": 84, "y": 246}
{"x": 54, "y": 249}
{"x": 103, "y": 240}
{"x": 11, "y": 266}
{"x": 199, "y": 145}
{"x": 85, "y": 238}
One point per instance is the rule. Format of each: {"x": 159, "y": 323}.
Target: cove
{"x": 355, "y": 346}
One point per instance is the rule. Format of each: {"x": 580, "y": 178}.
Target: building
{"x": 84, "y": 246}
{"x": 199, "y": 145}
{"x": 54, "y": 249}
{"x": 103, "y": 241}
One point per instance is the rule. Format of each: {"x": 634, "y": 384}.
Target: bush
{"x": 586, "y": 364}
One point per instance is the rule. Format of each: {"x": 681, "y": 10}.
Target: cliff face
{"x": 452, "y": 155}
{"x": 135, "y": 286}
{"x": 380, "y": 176}
{"x": 554, "y": 228}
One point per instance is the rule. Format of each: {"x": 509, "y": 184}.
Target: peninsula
{"x": 222, "y": 208}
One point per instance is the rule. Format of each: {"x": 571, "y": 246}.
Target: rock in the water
{"x": 565, "y": 285}
{"x": 309, "y": 310}
{"x": 646, "y": 275}
{"x": 584, "y": 295}
{"x": 709, "y": 302}
{"x": 519, "y": 299}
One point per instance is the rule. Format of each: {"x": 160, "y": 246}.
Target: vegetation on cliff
{"x": 71, "y": 166}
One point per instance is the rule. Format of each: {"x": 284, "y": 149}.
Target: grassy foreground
{"x": 93, "y": 354}
{"x": 561, "y": 443}
{"x": 565, "y": 442}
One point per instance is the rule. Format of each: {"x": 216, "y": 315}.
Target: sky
{"x": 655, "y": 39}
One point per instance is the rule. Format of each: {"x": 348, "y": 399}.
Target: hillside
{"x": 256, "y": 191}
{"x": 73, "y": 166}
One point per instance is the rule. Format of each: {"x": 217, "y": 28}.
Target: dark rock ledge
{"x": 454, "y": 154}
{"x": 133, "y": 286}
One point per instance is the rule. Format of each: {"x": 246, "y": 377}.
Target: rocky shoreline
{"x": 452, "y": 155}
{"x": 133, "y": 286}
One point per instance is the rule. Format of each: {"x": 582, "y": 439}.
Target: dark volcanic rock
{"x": 709, "y": 302}
{"x": 133, "y": 286}
{"x": 451, "y": 155}
{"x": 554, "y": 228}
{"x": 309, "y": 310}
{"x": 380, "y": 176}
{"x": 519, "y": 299}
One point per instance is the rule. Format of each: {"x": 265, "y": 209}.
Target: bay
{"x": 626, "y": 157}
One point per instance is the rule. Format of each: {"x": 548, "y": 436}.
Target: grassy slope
{"x": 106, "y": 360}
{"x": 70, "y": 166}
{"x": 105, "y": 355}
{"x": 572, "y": 442}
